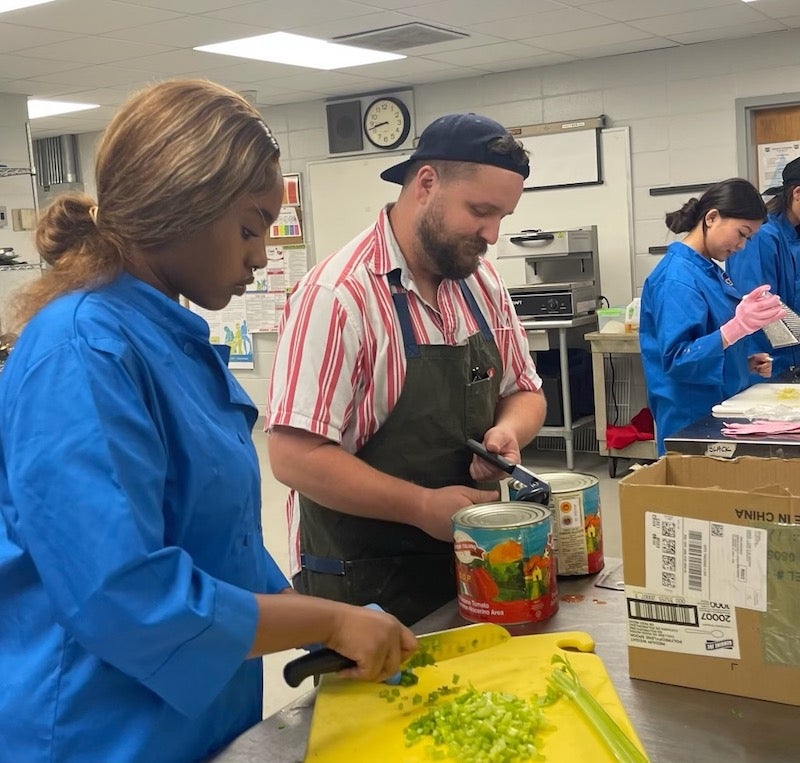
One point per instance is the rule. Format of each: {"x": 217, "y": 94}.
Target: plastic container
{"x": 632, "y": 316}
{"x": 611, "y": 320}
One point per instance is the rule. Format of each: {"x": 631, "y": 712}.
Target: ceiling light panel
{"x": 15, "y": 5}
{"x": 38, "y": 108}
{"x": 298, "y": 50}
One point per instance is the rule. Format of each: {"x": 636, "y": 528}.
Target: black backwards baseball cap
{"x": 459, "y": 138}
{"x": 790, "y": 175}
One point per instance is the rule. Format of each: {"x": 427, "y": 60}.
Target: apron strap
{"x": 476, "y": 311}
{"x": 400, "y": 299}
{"x": 322, "y": 564}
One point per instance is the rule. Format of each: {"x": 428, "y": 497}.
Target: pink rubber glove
{"x": 756, "y": 310}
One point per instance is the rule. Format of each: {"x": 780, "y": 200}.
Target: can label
{"x": 575, "y": 502}
{"x": 504, "y": 563}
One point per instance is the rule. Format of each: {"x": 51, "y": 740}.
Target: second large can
{"x": 504, "y": 563}
{"x": 578, "y": 530}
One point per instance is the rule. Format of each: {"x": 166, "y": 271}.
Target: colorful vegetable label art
{"x": 504, "y": 563}
{"x": 575, "y": 503}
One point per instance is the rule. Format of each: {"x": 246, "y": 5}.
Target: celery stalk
{"x": 564, "y": 681}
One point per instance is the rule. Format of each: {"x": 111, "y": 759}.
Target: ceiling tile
{"x": 588, "y": 38}
{"x": 190, "y": 31}
{"x": 15, "y": 37}
{"x": 182, "y": 61}
{"x": 629, "y": 10}
{"x": 538, "y": 24}
{"x": 471, "y": 12}
{"x": 632, "y": 46}
{"x": 99, "y": 50}
{"x": 525, "y": 62}
{"x": 86, "y": 16}
{"x": 692, "y": 21}
{"x": 21, "y": 67}
{"x": 100, "y": 76}
{"x": 777, "y": 9}
{"x": 330, "y": 28}
{"x": 93, "y": 50}
{"x": 483, "y": 54}
{"x": 186, "y": 6}
{"x": 288, "y": 15}
{"x": 726, "y": 33}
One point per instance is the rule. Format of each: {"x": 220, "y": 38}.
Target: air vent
{"x": 400, "y": 37}
{"x": 56, "y": 160}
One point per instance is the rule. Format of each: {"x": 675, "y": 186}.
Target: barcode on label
{"x": 694, "y": 560}
{"x": 662, "y": 612}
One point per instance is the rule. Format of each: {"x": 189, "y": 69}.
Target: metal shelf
{"x": 6, "y": 172}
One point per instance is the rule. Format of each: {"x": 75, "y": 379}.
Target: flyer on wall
{"x": 772, "y": 158}
{"x": 230, "y": 326}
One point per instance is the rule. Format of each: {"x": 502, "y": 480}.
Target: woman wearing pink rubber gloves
{"x": 692, "y": 315}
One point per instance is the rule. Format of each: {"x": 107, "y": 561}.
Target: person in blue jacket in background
{"x": 137, "y": 595}
{"x": 772, "y": 257}
{"x": 693, "y": 317}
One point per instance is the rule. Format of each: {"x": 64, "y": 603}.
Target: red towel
{"x": 640, "y": 428}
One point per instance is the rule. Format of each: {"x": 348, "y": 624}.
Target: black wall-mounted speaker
{"x": 344, "y": 127}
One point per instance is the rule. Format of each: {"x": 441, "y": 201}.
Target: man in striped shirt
{"x": 392, "y": 353}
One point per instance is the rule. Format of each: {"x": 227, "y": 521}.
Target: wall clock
{"x": 387, "y": 122}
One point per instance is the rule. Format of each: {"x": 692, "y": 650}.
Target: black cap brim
{"x": 776, "y": 190}
{"x": 397, "y": 172}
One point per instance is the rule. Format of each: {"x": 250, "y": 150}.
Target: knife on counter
{"x": 433, "y": 647}
{"x": 538, "y": 487}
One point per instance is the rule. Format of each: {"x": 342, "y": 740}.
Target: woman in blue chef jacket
{"x": 693, "y": 317}
{"x": 772, "y": 256}
{"x": 136, "y": 592}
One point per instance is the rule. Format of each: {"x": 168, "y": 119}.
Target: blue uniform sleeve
{"x": 276, "y": 580}
{"x": 689, "y": 342}
{"x": 87, "y": 465}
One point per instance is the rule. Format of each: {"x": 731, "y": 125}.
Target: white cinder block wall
{"x": 680, "y": 105}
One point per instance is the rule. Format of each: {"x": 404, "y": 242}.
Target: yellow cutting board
{"x": 353, "y": 723}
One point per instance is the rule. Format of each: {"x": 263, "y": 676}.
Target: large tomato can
{"x": 575, "y": 503}
{"x": 504, "y": 563}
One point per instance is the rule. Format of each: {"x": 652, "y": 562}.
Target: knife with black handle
{"x": 433, "y": 647}
{"x": 313, "y": 664}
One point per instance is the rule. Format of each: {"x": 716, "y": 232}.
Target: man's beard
{"x": 453, "y": 257}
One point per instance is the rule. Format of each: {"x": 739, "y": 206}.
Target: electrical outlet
{"x": 3, "y": 217}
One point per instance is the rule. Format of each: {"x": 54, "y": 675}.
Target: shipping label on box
{"x": 673, "y": 624}
{"x": 703, "y": 560}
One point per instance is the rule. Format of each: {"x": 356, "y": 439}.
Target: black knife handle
{"x": 313, "y": 664}
{"x": 492, "y": 458}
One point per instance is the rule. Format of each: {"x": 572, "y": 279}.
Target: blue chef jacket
{"x": 130, "y": 536}
{"x": 771, "y": 256}
{"x": 685, "y": 300}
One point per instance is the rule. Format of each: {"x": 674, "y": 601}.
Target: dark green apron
{"x": 449, "y": 395}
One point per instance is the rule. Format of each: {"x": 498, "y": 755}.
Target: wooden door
{"x": 775, "y": 125}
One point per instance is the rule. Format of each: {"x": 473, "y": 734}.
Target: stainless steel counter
{"x": 675, "y": 724}
{"x": 705, "y": 438}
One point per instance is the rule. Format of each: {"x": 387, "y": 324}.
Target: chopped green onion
{"x": 480, "y": 727}
{"x": 408, "y": 677}
{"x": 564, "y": 681}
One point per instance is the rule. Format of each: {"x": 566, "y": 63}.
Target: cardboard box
{"x": 711, "y": 556}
